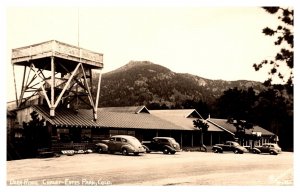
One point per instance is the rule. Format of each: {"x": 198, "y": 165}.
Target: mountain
{"x": 143, "y": 82}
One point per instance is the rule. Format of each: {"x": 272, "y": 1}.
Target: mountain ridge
{"x": 143, "y": 83}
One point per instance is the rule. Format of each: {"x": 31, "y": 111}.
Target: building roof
{"x": 83, "y": 118}
{"x": 220, "y": 124}
{"x": 213, "y": 127}
{"x": 182, "y": 117}
{"x": 262, "y": 130}
{"x": 10, "y": 114}
{"x": 129, "y": 109}
{"x": 223, "y": 124}
{"x": 137, "y": 117}
{"x": 177, "y": 113}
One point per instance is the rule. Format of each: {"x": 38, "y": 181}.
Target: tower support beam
{"x": 60, "y": 74}
{"x": 52, "y": 101}
{"x": 97, "y": 97}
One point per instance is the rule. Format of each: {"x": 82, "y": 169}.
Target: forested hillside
{"x": 145, "y": 83}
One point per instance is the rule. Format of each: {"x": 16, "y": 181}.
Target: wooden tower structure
{"x": 59, "y": 73}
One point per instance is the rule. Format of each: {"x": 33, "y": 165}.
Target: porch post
{"x": 192, "y": 139}
{"x": 211, "y": 138}
{"x": 181, "y": 139}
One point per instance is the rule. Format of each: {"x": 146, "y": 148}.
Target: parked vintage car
{"x": 271, "y": 148}
{"x": 121, "y": 143}
{"x": 229, "y": 146}
{"x": 164, "y": 144}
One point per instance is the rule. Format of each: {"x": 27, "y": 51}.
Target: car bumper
{"x": 143, "y": 150}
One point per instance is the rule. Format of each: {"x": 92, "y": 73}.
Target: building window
{"x": 63, "y": 135}
{"x": 132, "y": 133}
{"x": 122, "y": 132}
{"x": 86, "y": 135}
{"x": 113, "y": 132}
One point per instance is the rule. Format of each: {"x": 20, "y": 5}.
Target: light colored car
{"x": 124, "y": 144}
{"x": 271, "y": 148}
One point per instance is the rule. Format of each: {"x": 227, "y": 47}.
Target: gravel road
{"x": 155, "y": 169}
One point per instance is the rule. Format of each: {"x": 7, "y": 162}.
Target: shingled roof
{"x": 223, "y": 124}
{"x": 129, "y": 109}
{"x": 106, "y": 118}
{"x": 183, "y": 118}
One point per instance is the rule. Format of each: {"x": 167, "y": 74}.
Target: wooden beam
{"x": 52, "y": 107}
{"x": 91, "y": 79}
{"x": 23, "y": 87}
{"x": 87, "y": 87}
{"x": 66, "y": 86}
{"x": 98, "y": 95}
{"x": 16, "y": 94}
{"x": 26, "y": 84}
{"x": 42, "y": 86}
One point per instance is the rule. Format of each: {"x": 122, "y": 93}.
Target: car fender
{"x": 238, "y": 150}
{"x": 273, "y": 152}
{"x": 169, "y": 148}
{"x": 147, "y": 148}
{"x": 128, "y": 147}
{"x": 255, "y": 150}
{"x": 217, "y": 147}
{"x": 103, "y": 146}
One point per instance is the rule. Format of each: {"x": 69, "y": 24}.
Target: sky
{"x": 214, "y": 42}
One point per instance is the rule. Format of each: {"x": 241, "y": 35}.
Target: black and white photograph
{"x": 149, "y": 95}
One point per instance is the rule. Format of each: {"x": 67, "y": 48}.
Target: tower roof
{"x": 67, "y": 55}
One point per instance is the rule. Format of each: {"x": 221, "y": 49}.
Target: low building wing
{"x": 229, "y": 127}
{"x": 183, "y": 118}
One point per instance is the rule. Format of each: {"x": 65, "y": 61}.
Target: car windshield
{"x": 274, "y": 145}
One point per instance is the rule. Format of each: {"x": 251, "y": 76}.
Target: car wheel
{"x": 100, "y": 150}
{"x": 136, "y": 153}
{"x": 216, "y": 151}
{"x": 166, "y": 151}
{"x": 124, "y": 151}
{"x": 173, "y": 152}
{"x": 236, "y": 151}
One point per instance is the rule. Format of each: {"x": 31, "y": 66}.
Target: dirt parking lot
{"x": 155, "y": 169}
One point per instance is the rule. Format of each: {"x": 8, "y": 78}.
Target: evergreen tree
{"x": 36, "y": 135}
{"x": 284, "y": 37}
{"x": 203, "y": 127}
